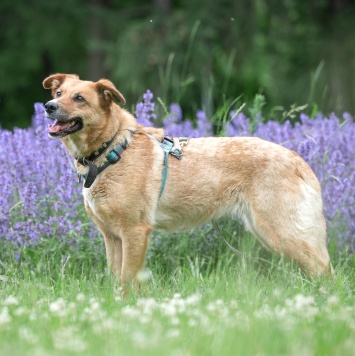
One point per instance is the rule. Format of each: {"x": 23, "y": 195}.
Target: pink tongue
{"x": 57, "y": 126}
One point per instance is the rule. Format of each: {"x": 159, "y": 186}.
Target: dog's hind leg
{"x": 313, "y": 260}
{"x": 293, "y": 227}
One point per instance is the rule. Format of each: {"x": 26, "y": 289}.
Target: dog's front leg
{"x": 134, "y": 246}
{"x": 113, "y": 247}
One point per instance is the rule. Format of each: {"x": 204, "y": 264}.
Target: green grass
{"x": 192, "y": 304}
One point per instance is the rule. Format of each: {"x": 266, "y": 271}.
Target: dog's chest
{"x": 95, "y": 197}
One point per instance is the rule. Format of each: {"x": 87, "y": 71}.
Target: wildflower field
{"x": 196, "y": 297}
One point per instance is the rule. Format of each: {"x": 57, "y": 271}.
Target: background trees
{"x": 199, "y": 54}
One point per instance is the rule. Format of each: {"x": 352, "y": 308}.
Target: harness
{"x": 168, "y": 147}
{"x": 114, "y": 156}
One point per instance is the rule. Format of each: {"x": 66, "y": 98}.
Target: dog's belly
{"x": 190, "y": 217}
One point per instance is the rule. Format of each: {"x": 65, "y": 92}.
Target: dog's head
{"x": 79, "y": 106}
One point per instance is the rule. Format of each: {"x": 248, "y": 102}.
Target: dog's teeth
{"x": 72, "y": 123}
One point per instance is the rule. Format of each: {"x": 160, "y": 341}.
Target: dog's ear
{"x": 54, "y": 81}
{"x": 108, "y": 92}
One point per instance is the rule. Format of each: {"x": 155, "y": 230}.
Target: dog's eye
{"x": 79, "y": 98}
{"x": 58, "y": 94}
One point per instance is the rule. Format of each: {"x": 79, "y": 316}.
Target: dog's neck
{"x": 121, "y": 128}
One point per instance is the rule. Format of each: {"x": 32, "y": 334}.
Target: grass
{"x": 191, "y": 304}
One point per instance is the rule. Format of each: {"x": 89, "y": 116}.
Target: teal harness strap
{"x": 164, "y": 173}
{"x": 168, "y": 147}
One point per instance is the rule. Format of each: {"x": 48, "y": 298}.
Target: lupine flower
{"x": 145, "y": 110}
{"x": 39, "y": 196}
{"x": 175, "y": 126}
{"x": 238, "y": 126}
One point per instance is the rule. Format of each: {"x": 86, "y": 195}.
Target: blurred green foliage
{"x": 200, "y": 54}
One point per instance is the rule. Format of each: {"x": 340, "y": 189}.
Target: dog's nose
{"x": 51, "y": 106}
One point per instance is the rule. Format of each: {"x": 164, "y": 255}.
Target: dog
{"x": 139, "y": 186}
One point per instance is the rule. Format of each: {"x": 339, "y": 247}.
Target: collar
{"x": 96, "y": 154}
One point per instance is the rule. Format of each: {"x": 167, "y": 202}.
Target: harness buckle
{"x": 176, "y": 152}
{"x": 183, "y": 141}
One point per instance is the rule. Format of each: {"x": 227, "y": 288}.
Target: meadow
{"x": 56, "y": 296}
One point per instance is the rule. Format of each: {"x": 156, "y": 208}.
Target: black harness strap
{"x": 113, "y": 157}
{"x": 97, "y": 153}
{"x": 92, "y": 174}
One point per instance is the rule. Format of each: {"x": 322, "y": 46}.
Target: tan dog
{"x": 270, "y": 187}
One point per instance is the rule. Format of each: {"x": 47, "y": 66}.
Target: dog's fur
{"x": 270, "y": 187}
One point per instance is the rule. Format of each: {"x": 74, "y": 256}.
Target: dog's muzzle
{"x": 63, "y": 125}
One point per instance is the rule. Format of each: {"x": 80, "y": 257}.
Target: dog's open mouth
{"x": 64, "y": 128}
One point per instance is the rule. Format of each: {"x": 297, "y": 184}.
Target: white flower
{"x": 333, "y": 300}
{"x": 192, "y": 322}
{"x": 130, "y": 311}
{"x": 20, "y": 311}
{"x": 323, "y": 290}
{"x": 168, "y": 309}
{"x": 276, "y": 292}
{"x": 193, "y": 299}
{"x": 145, "y": 319}
{"x": 57, "y": 307}
{"x": 264, "y": 313}
{"x": 173, "y": 333}
{"x": 211, "y": 307}
{"x": 95, "y": 307}
{"x": 175, "y": 321}
{"x": 33, "y": 315}
{"x": 5, "y": 318}
{"x": 108, "y": 324}
{"x": 302, "y": 305}
{"x": 143, "y": 276}
{"x": 80, "y": 297}
{"x": 147, "y": 305}
{"x": 11, "y": 300}
{"x": 300, "y": 302}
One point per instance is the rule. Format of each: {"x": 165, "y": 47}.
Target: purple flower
{"x": 29, "y": 199}
{"x": 39, "y": 196}
{"x": 145, "y": 110}
{"x": 176, "y": 111}
{"x": 175, "y": 126}
{"x": 204, "y": 127}
{"x": 347, "y": 117}
{"x": 239, "y": 125}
